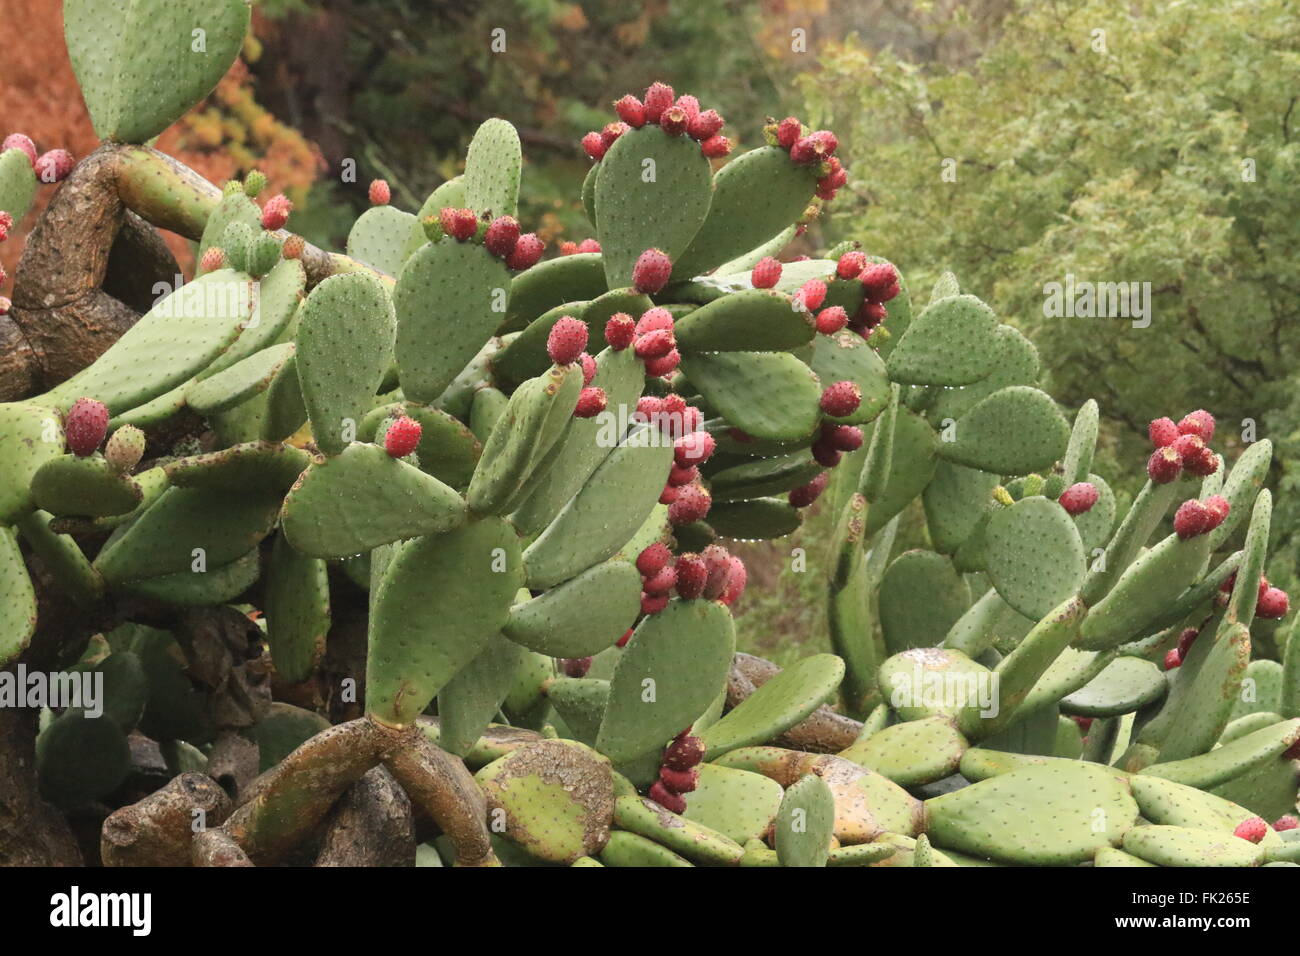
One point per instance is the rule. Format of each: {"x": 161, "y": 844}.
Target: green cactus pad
{"x": 125, "y": 689}
{"x": 297, "y": 608}
{"x": 1083, "y": 444}
{"x": 932, "y": 681}
{"x": 264, "y": 466}
{"x": 1254, "y": 552}
{"x": 580, "y": 703}
{"x": 69, "y": 485}
{"x": 1198, "y": 717}
{"x": 1109, "y": 856}
{"x": 557, "y": 799}
{"x": 737, "y": 803}
{"x": 954, "y": 500}
{"x": 652, "y": 191}
{"x": 240, "y": 382}
{"x": 178, "y": 338}
{"x": 489, "y": 405}
{"x": 534, "y": 421}
{"x": 910, "y": 466}
{"x": 1054, "y": 815}
{"x": 219, "y": 585}
{"x": 691, "y": 839}
{"x": 17, "y": 600}
{"x": 492, "y": 167}
{"x": 749, "y": 259}
{"x": 631, "y": 849}
{"x": 605, "y": 513}
{"x": 447, "y": 450}
{"x": 469, "y": 701}
{"x": 30, "y": 436}
{"x": 911, "y": 753}
{"x": 80, "y": 759}
{"x": 17, "y": 183}
{"x": 1017, "y": 364}
{"x": 416, "y": 647}
{"x": 756, "y": 520}
{"x": 1014, "y": 431}
{"x": 1240, "y": 487}
{"x": 1176, "y": 804}
{"x": 756, "y": 320}
{"x": 1018, "y": 672}
{"x": 863, "y": 854}
{"x": 805, "y": 823}
{"x": 283, "y": 730}
{"x": 363, "y": 498}
{"x": 1265, "y": 680}
{"x": 582, "y": 616}
{"x": 142, "y": 66}
{"x": 1230, "y": 760}
{"x": 1033, "y": 555}
{"x": 846, "y": 357}
{"x": 345, "y": 343}
{"x": 63, "y": 559}
{"x": 379, "y": 238}
{"x": 1268, "y": 789}
{"x": 233, "y": 207}
{"x": 535, "y": 291}
{"x": 450, "y": 298}
{"x": 763, "y": 476}
{"x": 1126, "y": 684}
{"x": 952, "y": 342}
{"x": 756, "y": 196}
{"x": 765, "y": 394}
{"x": 1143, "y": 591}
{"x": 905, "y": 851}
{"x": 674, "y": 666}
{"x": 1183, "y": 846}
{"x": 168, "y": 536}
{"x": 776, "y": 706}
{"x": 284, "y": 408}
{"x": 920, "y": 599}
{"x": 277, "y": 298}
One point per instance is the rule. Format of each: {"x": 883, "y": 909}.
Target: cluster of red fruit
{"x": 673, "y": 114}
{"x": 573, "y": 248}
{"x": 501, "y": 236}
{"x": 879, "y": 285}
{"x": 686, "y": 497}
{"x": 1271, "y": 603}
{"x": 50, "y": 167}
{"x": 833, "y": 440}
{"x": 1195, "y": 517}
{"x": 810, "y": 149}
{"x": 677, "y": 772}
{"x": 566, "y": 344}
{"x": 651, "y": 337}
{"x": 402, "y": 437}
{"x": 1255, "y": 829}
{"x": 1182, "y": 445}
{"x": 714, "y": 574}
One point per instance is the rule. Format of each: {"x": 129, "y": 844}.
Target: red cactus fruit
{"x": 653, "y": 603}
{"x": 688, "y": 105}
{"x": 674, "y": 121}
{"x": 704, "y": 126}
{"x": 805, "y": 495}
{"x": 611, "y": 132}
{"x": 715, "y": 147}
{"x": 1186, "y": 638}
{"x": 686, "y": 751}
{"x": 622, "y": 641}
{"x": 619, "y": 331}
{"x": 654, "y": 320}
{"x": 737, "y": 578}
{"x": 1199, "y": 423}
{"x": 461, "y": 224}
{"x": 811, "y": 294}
{"x": 1188, "y": 445}
{"x": 1192, "y": 518}
{"x": 1219, "y": 508}
{"x": 54, "y": 166}
{"x": 661, "y": 582}
{"x": 1162, "y": 432}
{"x": 588, "y": 368}
{"x": 807, "y": 151}
{"x": 655, "y": 344}
{"x": 824, "y": 452}
{"x": 679, "y": 781}
{"x": 380, "y": 194}
{"x": 293, "y": 247}
{"x": 651, "y": 272}
{"x": 878, "y": 279}
{"x": 1288, "y": 822}
{"x": 692, "y": 505}
{"x": 653, "y": 558}
{"x": 672, "y": 802}
{"x": 589, "y": 245}
{"x": 6, "y": 223}
{"x": 501, "y": 236}
{"x": 694, "y": 448}
{"x": 567, "y": 340}
{"x": 1173, "y": 659}
{"x": 402, "y": 437}
{"x": 1079, "y": 497}
{"x": 658, "y": 97}
{"x": 1164, "y": 465}
{"x": 591, "y": 402}
{"x": 576, "y": 666}
{"x": 85, "y": 425}
{"x": 526, "y": 252}
{"x": 276, "y": 212}
{"x": 692, "y": 575}
{"x": 631, "y": 111}
{"x": 679, "y": 476}
{"x": 664, "y": 364}
{"x": 831, "y": 320}
{"x": 766, "y": 273}
{"x": 1252, "y": 830}
{"x": 717, "y": 561}
{"x": 22, "y": 142}
{"x": 842, "y": 437}
{"x": 841, "y": 399}
{"x": 593, "y": 144}
{"x": 1272, "y": 604}
{"x": 213, "y": 259}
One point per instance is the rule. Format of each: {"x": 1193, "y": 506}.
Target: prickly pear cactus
{"x": 446, "y": 516}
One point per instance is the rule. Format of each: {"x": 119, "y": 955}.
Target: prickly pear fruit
{"x": 124, "y": 450}
{"x": 651, "y": 272}
{"x": 566, "y": 341}
{"x": 84, "y": 427}
{"x": 276, "y": 212}
{"x": 402, "y": 437}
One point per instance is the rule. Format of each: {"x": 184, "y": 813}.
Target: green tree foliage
{"x": 1146, "y": 141}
